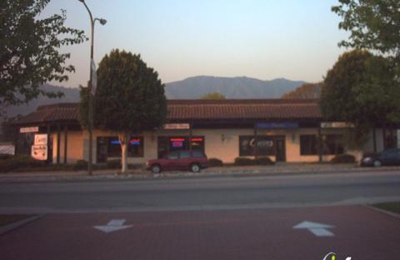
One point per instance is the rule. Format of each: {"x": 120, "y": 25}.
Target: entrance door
{"x": 280, "y": 149}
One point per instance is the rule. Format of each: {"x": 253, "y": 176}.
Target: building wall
{"x": 75, "y": 147}
{"x": 220, "y": 143}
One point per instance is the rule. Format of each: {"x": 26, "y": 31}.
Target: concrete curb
{"x": 229, "y": 171}
{"x": 386, "y": 212}
{"x": 18, "y": 224}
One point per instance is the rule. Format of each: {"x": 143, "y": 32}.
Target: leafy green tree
{"x": 129, "y": 98}
{"x": 360, "y": 89}
{"x": 373, "y": 25}
{"x": 29, "y": 50}
{"x": 305, "y": 91}
{"x": 213, "y": 95}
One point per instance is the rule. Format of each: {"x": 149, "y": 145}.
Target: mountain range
{"x": 190, "y": 88}
{"x": 231, "y": 88}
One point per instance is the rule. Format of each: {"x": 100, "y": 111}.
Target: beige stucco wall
{"x": 74, "y": 147}
{"x": 219, "y": 143}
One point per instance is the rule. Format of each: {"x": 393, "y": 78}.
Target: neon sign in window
{"x": 177, "y": 144}
{"x": 135, "y": 141}
{"x": 177, "y": 139}
{"x": 135, "y": 147}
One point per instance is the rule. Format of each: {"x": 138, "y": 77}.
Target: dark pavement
{"x": 280, "y": 169}
{"x": 359, "y": 232}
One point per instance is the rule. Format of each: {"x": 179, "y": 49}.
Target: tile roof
{"x": 52, "y": 113}
{"x": 275, "y": 109}
{"x": 243, "y": 109}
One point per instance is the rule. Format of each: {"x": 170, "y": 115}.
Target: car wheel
{"x": 377, "y": 163}
{"x": 195, "y": 167}
{"x": 155, "y": 168}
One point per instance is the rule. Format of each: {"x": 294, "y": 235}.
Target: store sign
{"x": 40, "y": 139}
{"x": 177, "y": 126}
{"x": 39, "y": 152}
{"x": 39, "y": 148}
{"x": 283, "y": 125}
{"x": 265, "y": 146}
{"x": 336, "y": 125}
{"x": 33, "y": 129}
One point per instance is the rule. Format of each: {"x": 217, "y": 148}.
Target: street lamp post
{"x": 90, "y": 87}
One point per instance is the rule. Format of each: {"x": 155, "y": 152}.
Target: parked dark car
{"x": 386, "y": 157}
{"x": 179, "y": 160}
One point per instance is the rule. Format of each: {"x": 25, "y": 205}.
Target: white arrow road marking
{"x": 318, "y": 229}
{"x": 113, "y": 225}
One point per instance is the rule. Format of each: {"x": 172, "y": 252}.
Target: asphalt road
{"x": 264, "y": 217}
{"x": 201, "y": 193}
{"x": 258, "y": 234}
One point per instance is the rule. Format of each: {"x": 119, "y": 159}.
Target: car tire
{"x": 155, "y": 168}
{"x": 377, "y": 163}
{"x": 195, "y": 167}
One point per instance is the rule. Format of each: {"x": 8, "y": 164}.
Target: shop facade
{"x": 284, "y": 130}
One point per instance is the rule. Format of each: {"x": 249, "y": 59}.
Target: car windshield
{"x": 173, "y": 156}
{"x": 184, "y": 154}
{"x": 197, "y": 154}
{"x": 390, "y": 151}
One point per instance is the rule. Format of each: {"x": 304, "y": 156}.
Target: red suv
{"x": 179, "y": 160}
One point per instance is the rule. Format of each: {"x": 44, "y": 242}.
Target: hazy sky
{"x": 264, "y": 39}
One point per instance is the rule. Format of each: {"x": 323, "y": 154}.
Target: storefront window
{"x": 108, "y": 147}
{"x": 308, "y": 145}
{"x": 265, "y": 146}
{"x": 179, "y": 143}
{"x": 331, "y": 145}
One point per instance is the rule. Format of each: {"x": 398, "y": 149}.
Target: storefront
{"x": 284, "y": 130}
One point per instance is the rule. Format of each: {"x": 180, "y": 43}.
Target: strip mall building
{"x": 284, "y": 130}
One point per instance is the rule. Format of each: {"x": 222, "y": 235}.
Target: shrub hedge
{"x": 114, "y": 164}
{"x": 343, "y": 158}
{"x": 264, "y": 161}
{"x": 17, "y": 162}
{"x": 215, "y": 162}
{"x": 244, "y": 161}
{"x": 81, "y": 165}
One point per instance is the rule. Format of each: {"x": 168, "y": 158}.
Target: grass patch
{"x": 9, "y": 219}
{"x": 389, "y": 206}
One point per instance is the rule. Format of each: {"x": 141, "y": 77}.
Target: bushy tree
{"x": 213, "y": 96}
{"x": 360, "y": 88}
{"x": 305, "y": 91}
{"x": 373, "y": 25}
{"x": 29, "y": 50}
{"x": 129, "y": 98}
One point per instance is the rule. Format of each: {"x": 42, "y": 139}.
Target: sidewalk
{"x": 238, "y": 171}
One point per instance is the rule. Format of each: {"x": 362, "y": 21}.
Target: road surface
{"x": 280, "y": 217}
{"x": 201, "y": 193}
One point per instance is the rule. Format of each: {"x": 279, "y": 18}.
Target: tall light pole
{"x": 90, "y": 89}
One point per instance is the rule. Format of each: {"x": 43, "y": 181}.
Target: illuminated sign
{"x": 176, "y": 126}
{"x": 177, "y": 144}
{"x": 177, "y": 139}
{"x": 33, "y": 129}
{"x": 336, "y": 125}
{"x": 133, "y": 141}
